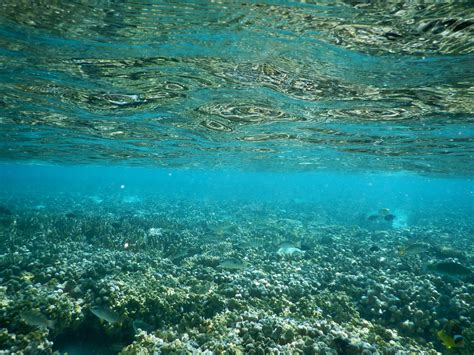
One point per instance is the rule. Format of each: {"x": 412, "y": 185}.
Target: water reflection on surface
{"x": 299, "y": 86}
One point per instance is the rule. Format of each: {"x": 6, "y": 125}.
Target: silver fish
{"x": 289, "y": 248}
{"x": 141, "y": 325}
{"x": 36, "y": 319}
{"x": 106, "y": 314}
{"x": 412, "y": 249}
{"x": 289, "y": 251}
{"x": 233, "y": 264}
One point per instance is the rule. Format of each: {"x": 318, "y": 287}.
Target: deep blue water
{"x": 346, "y": 197}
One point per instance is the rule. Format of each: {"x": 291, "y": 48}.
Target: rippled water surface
{"x": 267, "y": 85}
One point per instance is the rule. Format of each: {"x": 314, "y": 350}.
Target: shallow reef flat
{"x": 179, "y": 277}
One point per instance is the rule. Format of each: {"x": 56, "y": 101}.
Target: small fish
{"x": 223, "y": 228}
{"x": 326, "y": 240}
{"x": 412, "y": 249}
{"x": 446, "y": 252}
{"x": 449, "y": 268}
{"x": 289, "y": 251}
{"x": 289, "y": 248}
{"x": 392, "y": 36}
{"x": 233, "y": 264}
{"x": 155, "y": 232}
{"x": 106, "y": 314}
{"x": 179, "y": 254}
{"x": 373, "y": 217}
{"x": 203, "y": 287}
{"x": 289, "y": 244}
{"x": 374, "y": 248}
{"x": 390, "y": 217}
{"x": 96, "y": 199}
{"x": 451, "y": 336}
{"x": 36, "y": 319}
{"x": 141, "y": 325}
{"x": 252, "y": 243}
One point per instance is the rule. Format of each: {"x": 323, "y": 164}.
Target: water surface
{"x": 273, "y": 85}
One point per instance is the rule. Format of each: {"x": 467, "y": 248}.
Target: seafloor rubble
{"x": 166, "y": 278}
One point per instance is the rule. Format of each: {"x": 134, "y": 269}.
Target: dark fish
{"x": 389, "y": 217}
{"x": 462, "y": 24}
{"x": 449, "y": 268}
{"x": 343, "y": 345}
{"x": 372, "y": 218}
{"x": 326, "y": 240}
{"x": 392, "y": 35}
{"x": 5, "y": 211}
{"x": 374, "y": 248}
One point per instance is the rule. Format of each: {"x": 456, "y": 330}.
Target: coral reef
{"x": 340, "y": 294}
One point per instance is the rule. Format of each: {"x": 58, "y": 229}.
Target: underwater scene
{"x": 227, "y": 177}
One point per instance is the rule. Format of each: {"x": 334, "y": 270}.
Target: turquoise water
{"x": 230, "y": 177}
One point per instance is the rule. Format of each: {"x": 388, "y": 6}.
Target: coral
{"x": 332, "y": 297}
